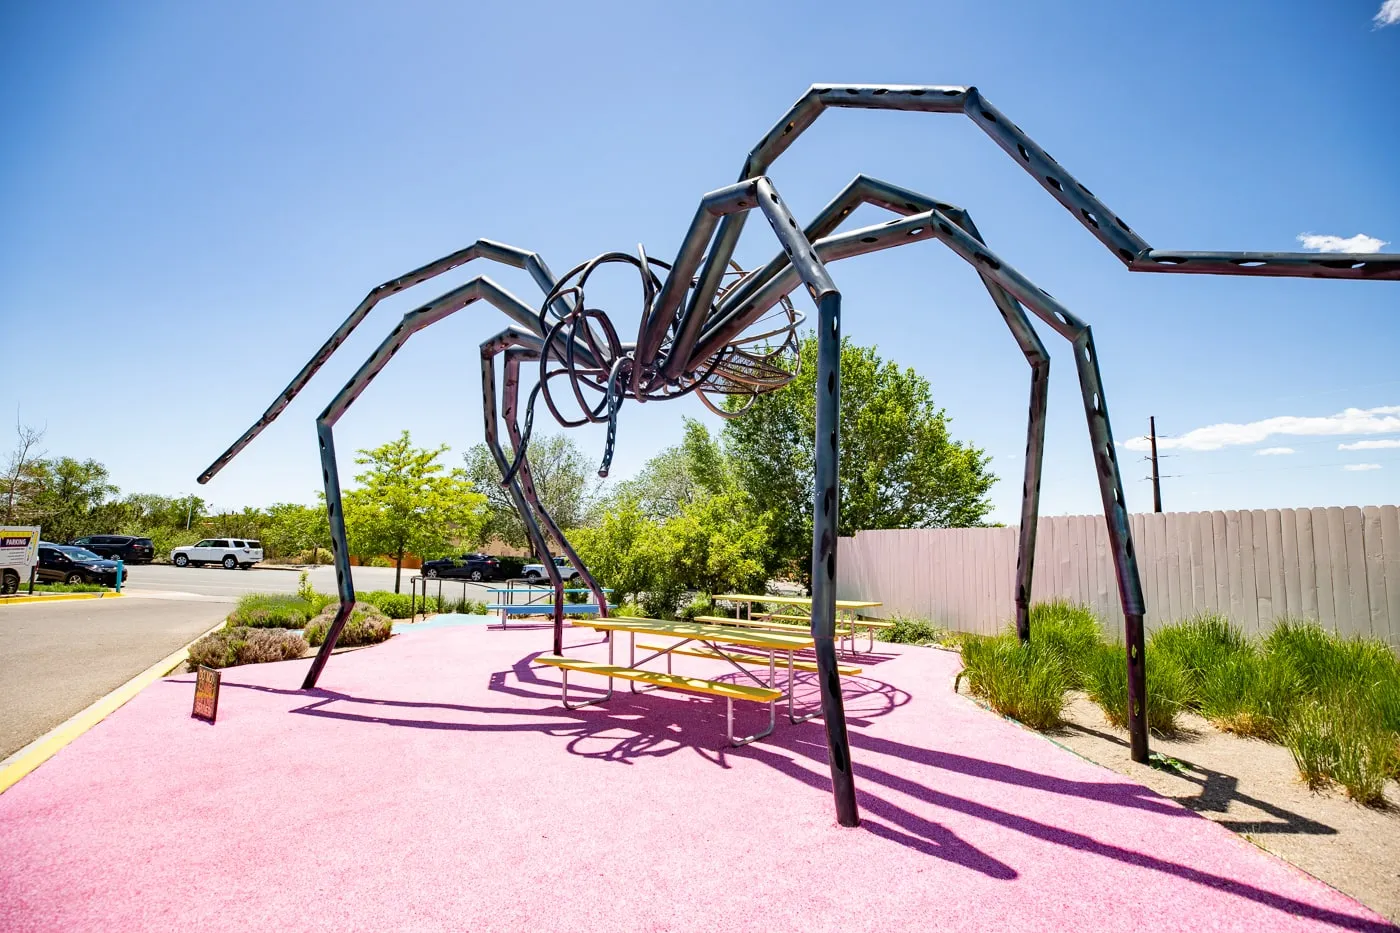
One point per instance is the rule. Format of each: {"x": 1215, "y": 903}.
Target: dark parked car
{"x": 64, "y": 563}
{"x": 469, "y": 566}
{"x": 128, "y": 548}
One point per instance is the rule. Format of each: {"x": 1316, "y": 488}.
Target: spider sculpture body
{"x": 709, "y": 328}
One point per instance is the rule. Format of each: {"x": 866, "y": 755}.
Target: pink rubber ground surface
{"x": 436, "y": 784}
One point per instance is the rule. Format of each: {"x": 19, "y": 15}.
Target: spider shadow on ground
{"x": 1217, "y": 790}
{"x": 635, "y": 726}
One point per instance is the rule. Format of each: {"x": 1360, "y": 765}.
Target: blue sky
{"x": 195, "y": 197}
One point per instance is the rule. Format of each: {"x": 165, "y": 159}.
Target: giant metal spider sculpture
{"x": 708, "y": 327}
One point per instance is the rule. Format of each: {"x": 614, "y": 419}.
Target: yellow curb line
{"x": 57, "y": 738}
{"x": 56, "y": 597}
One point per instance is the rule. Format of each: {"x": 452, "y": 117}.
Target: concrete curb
{"x": 22, "y": 762}
{"x": 55, "y": 597}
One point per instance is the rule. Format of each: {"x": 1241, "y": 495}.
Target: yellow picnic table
{"x": 846, "y": 613}
{"x": 715, "y": 642}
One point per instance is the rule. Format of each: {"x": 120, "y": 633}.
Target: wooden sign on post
{"x": 206, "y": 694}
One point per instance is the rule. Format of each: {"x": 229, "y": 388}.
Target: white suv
{"x": 535, "y": 573}
{"x": 231, "y": 552}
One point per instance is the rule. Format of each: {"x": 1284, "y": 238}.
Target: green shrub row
{"x": 400, "y": 605}
{"x": 1334, "y": 702}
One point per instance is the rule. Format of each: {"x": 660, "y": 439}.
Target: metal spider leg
{"x": 826, "y": 504}
{"x": 1110, "y": 480}
{"x": 481, "y": 249}
{"x": 414, "y": 321}
{"x": 937, "y": 224}
{"x": 739, "y": 307}
{"x": 510, "y": 406}
{"x": 1095, "y": 216}
{"x": 490, "y": 349}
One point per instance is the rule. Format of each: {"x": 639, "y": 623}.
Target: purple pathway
{"x": 436, "y": 784}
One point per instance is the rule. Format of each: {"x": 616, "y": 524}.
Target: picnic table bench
{"x": 846, "y": 616}
{"x": 715, "y": 642}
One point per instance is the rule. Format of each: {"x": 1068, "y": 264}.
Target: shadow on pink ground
{"x": 437, "y": 784}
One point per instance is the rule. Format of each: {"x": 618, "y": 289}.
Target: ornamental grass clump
{"x": 236, "y": 645}
{"x": 1067, "y": 633}
{"x": 1018, "y": 680}
{"x": 1199, "y": 645}
{"x": 1343, "y": 741}
{"x": 273, "y": 610}
{"x": 367, "y": 625}
{"x": 1168, "y": 688}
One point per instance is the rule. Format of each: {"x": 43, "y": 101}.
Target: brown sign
{"x": 206, "y": 694}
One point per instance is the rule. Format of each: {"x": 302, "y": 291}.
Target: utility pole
{"x": 1156, "y": 477}
{"x": 189, "y": 518}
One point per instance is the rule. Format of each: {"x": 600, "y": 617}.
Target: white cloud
{"x": 1274, "y": 451}
{"x": 1387, "y": 444}
{"x": 1388, "y": 14}
{"x": 1326, "y": 243}
{"x": 1383, "y": 420}
{"x": 1358, "y": 467}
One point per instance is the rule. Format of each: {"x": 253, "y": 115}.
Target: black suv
{"x": 469, "y": 566}
{"x": 130, "y": 549}
{"x": 65, "y": 563}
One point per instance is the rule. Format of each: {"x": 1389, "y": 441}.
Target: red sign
{"x": 206, "y": 694}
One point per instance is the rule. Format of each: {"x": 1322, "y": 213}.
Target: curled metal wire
{"x": 763, "y": 359}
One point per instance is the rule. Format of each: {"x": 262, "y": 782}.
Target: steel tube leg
{"x": 826, "y": 508}
{"x": 1119, "y": 537}
{"x": 1030, "y": 496}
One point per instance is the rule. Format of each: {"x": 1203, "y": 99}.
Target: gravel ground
{"x": 1253, "y": 787}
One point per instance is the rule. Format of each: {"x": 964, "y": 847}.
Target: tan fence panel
{"x": 1339, "y": 566}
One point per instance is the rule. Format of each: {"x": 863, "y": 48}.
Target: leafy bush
{"x": 628, "y": 610}
{"x": 1105, "y": 678}
{"x": 235, "y": 645}
{"x": 367, "y": 625}
{"x": 701, "y": 605}
{"x": 377, "y": 561}
{"x": 661, "y": 603}
{"x": 910, "y": 631}
{"x": 274, "y": 610}
{"x": 1021, "y": 681}
{"x": 511, "y": 567}
{"x": 393, "y": 605}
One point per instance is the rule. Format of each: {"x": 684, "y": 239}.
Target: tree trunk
{"x": 398, "y": 568}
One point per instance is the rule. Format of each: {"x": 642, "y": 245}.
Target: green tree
{"x": 679, "y": 475}
{"x": 292, "y": 528}
{"x": 683, "y": 524}
{"x": 620, "y": 550}
{"x": 408, "y": 501}
{"x": 899, "y": 466}
{"x": 69, "y": 496}
{"x": 565, "y": 481}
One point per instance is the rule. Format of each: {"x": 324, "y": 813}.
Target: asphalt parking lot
{"x": 57, "y": 658}
{"x": 216, "y": 581}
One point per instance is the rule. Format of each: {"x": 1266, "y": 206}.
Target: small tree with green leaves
{"x": 408, "y": 501}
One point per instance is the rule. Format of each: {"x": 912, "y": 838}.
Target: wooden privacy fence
{"x": 1340, "y": 566}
